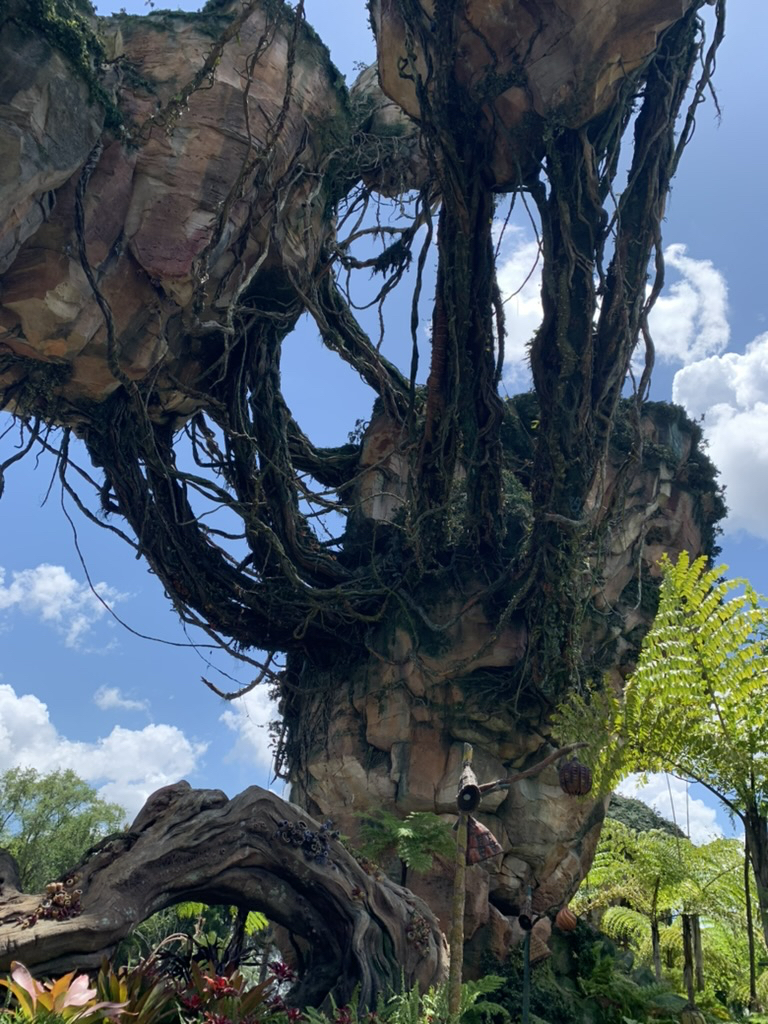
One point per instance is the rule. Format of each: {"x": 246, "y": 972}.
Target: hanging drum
{"x": 575, "y": 778}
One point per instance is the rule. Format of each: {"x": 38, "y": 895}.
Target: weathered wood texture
{"x": 351, "y": 929}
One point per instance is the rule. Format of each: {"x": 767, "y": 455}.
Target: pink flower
{"x": 78, "y": 993}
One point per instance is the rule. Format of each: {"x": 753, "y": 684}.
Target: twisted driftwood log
{"x": 187, "y": 844}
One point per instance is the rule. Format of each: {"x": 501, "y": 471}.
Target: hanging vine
{"x": 288, "y": 560}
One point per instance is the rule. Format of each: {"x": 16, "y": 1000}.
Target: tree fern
{"x": 415, "y": 840}
{"x": 625, "y": 925}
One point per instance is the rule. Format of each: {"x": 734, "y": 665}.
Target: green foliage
{"x": 585, "y": 981}
{"x": 146, "y": 998}
{"x": 619, "y": 996}
{"x": 414, "y": 840}
{"x": 474, "y": 1008}
{"x": 47, "y": 822}
{"x": 642, "y": 870}
{"x": 411, "y": 1007}
{"x": 190, "y": 930}
{"x": 696, "y": 705}
{"x": 224, "y": 997}
{"x": 640, "y": 877}
{"x": 189, "y": 910}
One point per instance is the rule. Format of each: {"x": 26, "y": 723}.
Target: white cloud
{"x": 519, "y": 275}
{"x": 108, "y": 698}
{"x": 688, "y": 322}
{"x": 692, "y": 815}
{"x": 126, "y": 766}
{"x": 731, "y": 392}
{"x": 250, "y": 721}
{"x": 49, "y": 592}
{"x": 690, "y": 318}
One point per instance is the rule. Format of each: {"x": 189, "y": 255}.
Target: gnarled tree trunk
{"x": 351, "y": 928}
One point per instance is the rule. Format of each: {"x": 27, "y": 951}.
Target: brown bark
{"x": 352, "y": 929}
{"x": 750, "y": 926}
{"x": 447, "y": 614}
{"x": 756, "y": 830}
{"x": 698, "y": 953}
{"x": 688, "y": 958}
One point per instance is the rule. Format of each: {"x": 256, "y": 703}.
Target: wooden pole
{"x": 459, "y": 891}
{"x": 526, "y": 1008}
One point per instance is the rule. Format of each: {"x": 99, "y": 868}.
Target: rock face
{"x": 220, "y": 175}
{"x": 218, "y": 178}
{"x": 562, "y": 60}
{"x": 390, "y": 729}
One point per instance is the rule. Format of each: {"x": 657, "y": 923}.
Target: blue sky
{"x": 79, "y": 690}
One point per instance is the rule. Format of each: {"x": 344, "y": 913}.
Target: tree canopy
{"x": 48, "y": 821}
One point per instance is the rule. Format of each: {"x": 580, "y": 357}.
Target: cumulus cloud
{"x": 688, "y": 322}
{"x": 730, "y": 392}
{"x": 249, "y": 717}
{"x": 519, "y": 274}
{"x": 690, "y": 318}
{"x": 109, "y": 698}
{"x": 692, "y": 815}
{"x": 49, "y": 592}
{"x": 125, "y": 767}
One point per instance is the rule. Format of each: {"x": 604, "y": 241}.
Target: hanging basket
{"x": 575, "y": 778}
{"x": 481, "y": 842}
{"x": 566, "y": 920}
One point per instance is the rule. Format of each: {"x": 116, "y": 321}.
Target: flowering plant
{"x": 223, "y": 998}
{"x": 68, "y": 997}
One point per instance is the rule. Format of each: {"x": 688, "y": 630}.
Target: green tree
{"x": 638, "y": 873}
{"x": 48, "y": 821}
{"x": 696, "y": 704}
{"x": 654, "y": 889}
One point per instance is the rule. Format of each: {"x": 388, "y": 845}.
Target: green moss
{"x": 67, "y": 25}
{"x": 36, "y": 392}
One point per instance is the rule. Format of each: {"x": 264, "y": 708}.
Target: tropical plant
{"x": 225, "y": 997}
{"x": 640, "y": 873}
{"x": 697, "y": 704}
{"x": 586, "y": 979}
{"x": 68, "y": 998}
{"x": 217, "y": 932}
{"x": 415, "y": 839}
{"x": 146, "y": 997}
{"x": 410, "y": 1006}
{"x": 677, "y": 906}
{"x": 47, "y": 822}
